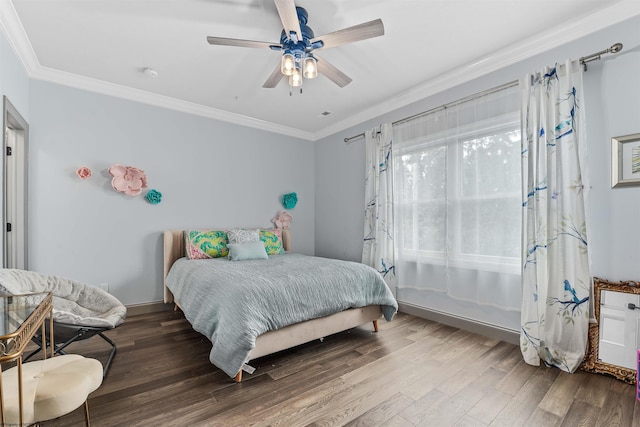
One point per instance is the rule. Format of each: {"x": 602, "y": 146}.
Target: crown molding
{"x": 149, "y": 98}
{"x": 17, "y": 37}
{"x": 510, "y": 55}
{"x": 19, "y": 41}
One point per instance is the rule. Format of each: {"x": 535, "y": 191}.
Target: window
{"x": 458, "y": 206}
{"x": 459, "y": 195}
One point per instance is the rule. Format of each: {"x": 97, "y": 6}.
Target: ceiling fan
{"x": 298, "y": 45}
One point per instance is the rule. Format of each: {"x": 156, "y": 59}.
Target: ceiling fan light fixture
{"x": 288, "y": 64}
{"x": 310, "y": 67}
{"x": 295, "y": 80}
{"x": 297, "y": 45}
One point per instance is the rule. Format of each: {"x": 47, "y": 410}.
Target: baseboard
{"x": 476, "y": 327}
{"x": 148, "y": 307}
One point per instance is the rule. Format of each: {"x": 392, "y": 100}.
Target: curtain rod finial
{"x": 615, "y": 48}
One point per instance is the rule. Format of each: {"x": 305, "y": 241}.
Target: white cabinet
{"x": 619, "y": 329}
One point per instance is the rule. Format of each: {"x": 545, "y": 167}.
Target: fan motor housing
{"x": 307, "y": 32}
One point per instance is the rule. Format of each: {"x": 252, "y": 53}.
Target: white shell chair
{"x": 79, "y": 311}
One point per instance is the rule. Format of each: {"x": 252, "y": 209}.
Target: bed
{"x": 278, "y": 336}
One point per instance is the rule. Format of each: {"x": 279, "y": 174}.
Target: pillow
{"x": 272, "y": 240}
{"x": 246, "y": 251}
{"x": 204, "y": 244}
{"x": 242, "y": 235}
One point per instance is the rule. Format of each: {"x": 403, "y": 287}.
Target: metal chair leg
{"x": 59, "y": 349}
{"x": 80, "y": 335}
{"x": 86, "y": 413}
{"x": 111, "y": 355}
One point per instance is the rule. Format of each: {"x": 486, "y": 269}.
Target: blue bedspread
{"x": 233, "y": 302}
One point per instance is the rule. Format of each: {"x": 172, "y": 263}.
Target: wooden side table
{"x": 20, "y": 318}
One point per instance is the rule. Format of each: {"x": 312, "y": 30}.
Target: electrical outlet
{"x": 103, "y": 286}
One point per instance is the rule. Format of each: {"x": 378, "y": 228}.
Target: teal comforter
{"x": 233, "y": 302}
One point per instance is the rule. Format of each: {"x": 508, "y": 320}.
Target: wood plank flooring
{"x": 414, "y": 372}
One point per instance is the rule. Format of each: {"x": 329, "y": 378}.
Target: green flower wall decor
{"x": 154, "y": 197}
{"x": 289, "y": 200}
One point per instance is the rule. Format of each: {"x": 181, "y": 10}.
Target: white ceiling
{"x": 428, "y": 46}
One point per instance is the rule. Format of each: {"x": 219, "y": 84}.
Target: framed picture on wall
{"x": 625, "y": 160}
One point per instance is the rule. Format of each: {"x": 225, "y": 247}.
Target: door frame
{"x": 13, "y": 119}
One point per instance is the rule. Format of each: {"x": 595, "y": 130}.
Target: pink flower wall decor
{"x": 83, "y": 172}
{"x": 283, "y": 220}
{"x": 128, "y": 179}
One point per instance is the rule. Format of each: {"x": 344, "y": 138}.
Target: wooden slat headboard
{"x": 174, "y": 250}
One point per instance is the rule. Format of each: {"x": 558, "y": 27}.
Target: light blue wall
{"x": 14, "y": 82}
{"x": 211, "y": 174}
{"x": 612, "y": 102}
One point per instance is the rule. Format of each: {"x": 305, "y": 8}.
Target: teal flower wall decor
{"x": 289, "y": 200}
{"x": 154, "y": 197}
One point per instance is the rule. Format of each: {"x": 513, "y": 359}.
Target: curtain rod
{"x": 451, "y": 104}
{"x": 615, "y": 48}
{"x": 351, "y": 138}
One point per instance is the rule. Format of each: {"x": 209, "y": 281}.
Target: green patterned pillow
{"x": 272, "y": 240}
{"x": 203, "y": 244}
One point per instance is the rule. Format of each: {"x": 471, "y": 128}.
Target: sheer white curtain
{"x": 556, "y": 278}
{"x": 458, "y": 204}
{"x": 378, "y": 249}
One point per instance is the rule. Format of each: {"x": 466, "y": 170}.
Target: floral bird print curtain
{"x": 378, "y": 250}
{"x": 556, "y": 280}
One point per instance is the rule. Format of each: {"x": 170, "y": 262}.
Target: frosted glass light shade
{"x": 288, "y": 64}
{"x": 310, "y": 67}
{"x": 295, "y": 80}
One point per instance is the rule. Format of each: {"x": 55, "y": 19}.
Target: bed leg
{"x": 175, "y": 307}
{"x": 375, "y": 325}
{"x": 238, "y": 377}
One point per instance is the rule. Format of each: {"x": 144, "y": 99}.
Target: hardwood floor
{"x": 414, "y": 372}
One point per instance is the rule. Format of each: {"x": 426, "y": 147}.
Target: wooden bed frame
{"x": 287, "y": 337}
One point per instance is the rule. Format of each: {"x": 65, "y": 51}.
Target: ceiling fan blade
{"x": 289, "y": 17}
{"x": 358, "y": 32}
{"x": 241, "y": 43}
{"x": 332, "y": 73}
{"x": 274, "y": 78}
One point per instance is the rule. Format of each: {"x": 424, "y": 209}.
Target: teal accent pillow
{"x": 246, "y": 251}
{"x": 272, "y": 240}
{"x": 204, "y": 244}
